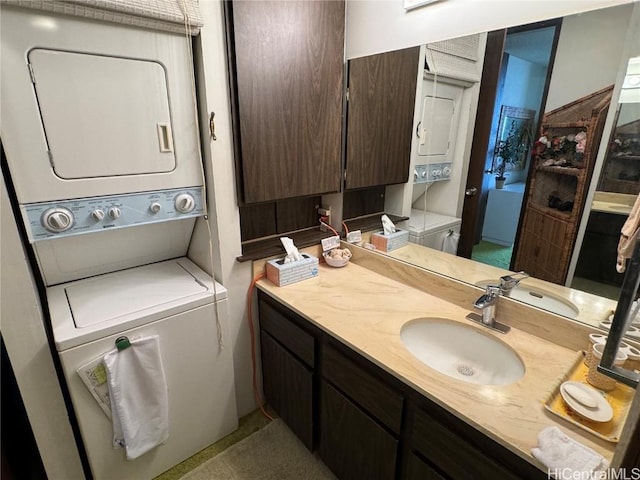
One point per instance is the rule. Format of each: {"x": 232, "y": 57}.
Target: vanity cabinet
{"x": 363, "y": 422}
{"x": 360, "y": 420}
{"x": 286, "y": 63}
{"x": 288, "y": 359}
{"x": 452, "y": 453}
{"x": 561, "y": 174}
{"x": 381, "y": 101}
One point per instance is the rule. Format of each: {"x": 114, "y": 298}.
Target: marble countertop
{"x": 361, "y": 309}
{"x": 609, "y": 202}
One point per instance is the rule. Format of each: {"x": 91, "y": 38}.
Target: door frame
{"x": 475, "y": 176}
{"x": 490, "y": 82}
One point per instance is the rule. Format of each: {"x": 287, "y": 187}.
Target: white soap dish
{"x": 586, "y": 401}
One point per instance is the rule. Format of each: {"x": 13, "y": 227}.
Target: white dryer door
{"x": 103, "y": 116}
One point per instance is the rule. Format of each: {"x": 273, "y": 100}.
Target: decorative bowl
{"x": 338, "y": 257}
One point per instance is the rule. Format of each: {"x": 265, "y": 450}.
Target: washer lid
{"x": 114, "y": 295}
{"x": 421, "y": 222}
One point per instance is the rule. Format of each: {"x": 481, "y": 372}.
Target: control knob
{"x": 97, "y": 215}
{"x": 57, "y": 220}
{"x": 114, "y": 212}
{"x": 415, "y": 175}
{"x": 185, "y": 203}
{"x": 446, "y": 171}
{"x": 155, "y": 207}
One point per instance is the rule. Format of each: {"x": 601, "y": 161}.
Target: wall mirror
{"x": 561, "y": 90}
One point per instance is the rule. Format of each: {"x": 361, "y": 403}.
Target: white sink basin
{"x": 462, "y": 351}
{"x": 539, "y": 298}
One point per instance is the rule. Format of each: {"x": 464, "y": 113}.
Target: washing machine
{"x": 430, "y": 229}
{"x": 179, "y": 303}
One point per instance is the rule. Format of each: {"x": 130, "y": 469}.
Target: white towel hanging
{"x": 450, "y": 242}
{"x": 139, "y": 399}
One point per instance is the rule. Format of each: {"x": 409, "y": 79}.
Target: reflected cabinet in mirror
{"x": 552, "y": 92}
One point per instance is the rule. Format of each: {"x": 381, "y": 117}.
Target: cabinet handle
{"x": 471, "y": 192}
{"x": 212, "y": 126}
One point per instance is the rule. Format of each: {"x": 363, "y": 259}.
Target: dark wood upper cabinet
{"x": 382, "y": 93}
{"x": 287, "y": 72}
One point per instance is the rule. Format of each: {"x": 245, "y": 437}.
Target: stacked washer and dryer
{"x": 100, "y": 135}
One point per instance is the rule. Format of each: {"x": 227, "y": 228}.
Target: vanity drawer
{"x": 460, "y": 458}
{"x": 281, "y": 327}
{"x": 371, "y": 394}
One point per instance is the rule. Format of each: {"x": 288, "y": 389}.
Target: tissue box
{"x": 283, "y": 274}
{"x": 386, "y": 243}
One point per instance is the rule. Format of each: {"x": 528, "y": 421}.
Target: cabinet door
{"x": 289, "y": 63}
{"x": 420, "y": 470}
{"x": 353, "y": 445}
{"x": 288, "y": 388}
{"x": 545, "y": 246}
{"x": 382, "y": 93}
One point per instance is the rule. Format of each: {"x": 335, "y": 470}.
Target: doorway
{"x": 516, "y": 76}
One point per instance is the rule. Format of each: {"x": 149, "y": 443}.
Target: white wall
{"x": 375, "y": 26}
{"x": 588, "y": 54}
{"x": 26, "y": 341}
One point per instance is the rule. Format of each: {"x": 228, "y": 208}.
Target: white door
{"x": 103, "y": 116}
{"x": 439, "y": 120}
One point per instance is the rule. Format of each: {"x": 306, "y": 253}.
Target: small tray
{"x": 619, "y": 398}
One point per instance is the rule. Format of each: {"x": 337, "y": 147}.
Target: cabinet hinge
{"x": 344, "y": 175}
{"x": 50, "y": 155}
{"x": 31, "y": 74}
{"x": 346, "y": 94}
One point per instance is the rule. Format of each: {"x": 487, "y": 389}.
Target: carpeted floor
{"x": 247, "y": 425}
{"x": 272, "y": 453}
{"x": 492, "y": 254}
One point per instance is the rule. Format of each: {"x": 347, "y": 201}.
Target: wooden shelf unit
{"x": 547, "y": 234}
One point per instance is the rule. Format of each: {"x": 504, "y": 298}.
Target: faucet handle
{"x": 507, "y": 282}
{"x": 489, "y": 297}
{"x": 492, "y": 291}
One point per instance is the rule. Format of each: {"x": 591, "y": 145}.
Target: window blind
{"x": 168, "y": 15}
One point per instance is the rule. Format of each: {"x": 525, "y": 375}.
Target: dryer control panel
{"x": 86, "y": 215}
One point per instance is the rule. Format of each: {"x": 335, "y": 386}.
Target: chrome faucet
{"x": 509, "y": 282}
{"x": 487, "y": 303}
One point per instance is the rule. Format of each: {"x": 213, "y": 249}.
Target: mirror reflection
{"x": 547, "y": 97}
